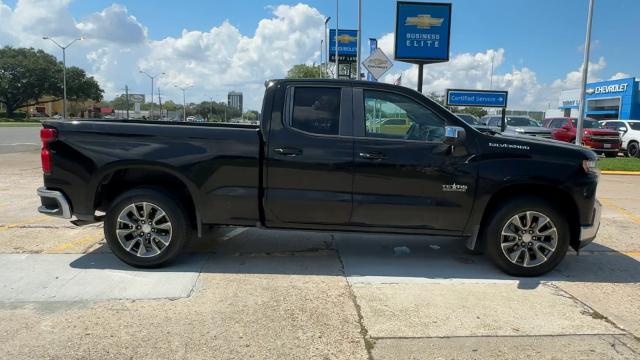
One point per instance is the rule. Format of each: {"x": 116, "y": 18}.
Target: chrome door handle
{"x": 288, "y": 151}
{"x": 372, "y": 156}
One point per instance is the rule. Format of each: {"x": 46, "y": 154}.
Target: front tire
{"x": 146, "y": 227}
{"x": 527, "y": 237}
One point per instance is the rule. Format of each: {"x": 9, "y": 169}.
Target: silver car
{"x": 517, "y": 125}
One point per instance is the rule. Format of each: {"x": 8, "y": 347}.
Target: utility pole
{"x": 160, "y": 102}
{"x": 64, "y": 71}
{"x": 211, "y": 117}
{"x": 184, "y": 101}
{"x": 321, "y": 60}
{"x": 326, "y": 47}
{"x": 491, "y": 81}
{"x": 585, "y": 72}
{"x": 152, "y": 78}
{"x": 126, "y": 93}
{"x": 336, "y": 38}
{"x": 359, "y": 36}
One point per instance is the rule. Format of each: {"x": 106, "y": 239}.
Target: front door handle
{"x": 373, "y": 155}
{"x": 288, "y": 151}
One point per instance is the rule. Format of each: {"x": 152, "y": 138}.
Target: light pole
{"x": 336, "y": 39}
{"x": 152, "y": 78}
{"x": 585, "y": 70}
{"x": 184, "y": 101}
{"x": 64, "y": 70}
{"x": 358, "y": 41}
{"x": 326, "y": 47}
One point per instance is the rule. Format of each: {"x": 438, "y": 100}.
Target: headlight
{"x": 519, "y": 130}
{"x": 590, "y": 166}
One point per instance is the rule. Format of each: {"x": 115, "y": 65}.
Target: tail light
{"x": 47, "y": 136}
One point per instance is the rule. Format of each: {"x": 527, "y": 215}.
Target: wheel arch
{"x": 113, "y": 180}
{"x": 558, "y": 197}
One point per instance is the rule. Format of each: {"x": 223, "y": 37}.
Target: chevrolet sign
{"x": 606, "y": 89}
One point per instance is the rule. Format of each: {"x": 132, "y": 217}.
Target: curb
{"x": 615, "y": 172}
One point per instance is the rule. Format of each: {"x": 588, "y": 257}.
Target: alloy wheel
{"x": 529, "y": 239}
{"x": 144, "y": 229}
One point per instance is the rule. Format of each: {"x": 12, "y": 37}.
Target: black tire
{"x": 177, "y": 216}
{"x": 502, "y": 215}
{"x": 611, "y": 154}
{"x": 633, "y": 149}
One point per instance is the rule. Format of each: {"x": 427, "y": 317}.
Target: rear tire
{"x": 521, "y": 221}
{"x": 633, "y": 149}
{"x": 147, "y": 227}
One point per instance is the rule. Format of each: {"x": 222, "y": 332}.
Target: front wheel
{"x": 527, "y": 237}
{"x": 146, "y": 227}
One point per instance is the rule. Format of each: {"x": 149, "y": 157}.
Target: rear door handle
{"x": 373, "y": 156}
{"x": 288, "y": 151}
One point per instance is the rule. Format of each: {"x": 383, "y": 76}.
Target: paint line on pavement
{"x": 71, "y": 244}
{"x": 24, "y": 222}
{"x": 233, "y": 233}
{"x": 609, "y": 203}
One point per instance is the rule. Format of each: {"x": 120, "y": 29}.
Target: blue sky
{"x": 541, "y": 34}
{"x": 218, "y": 46}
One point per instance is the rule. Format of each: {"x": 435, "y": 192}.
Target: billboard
{"x": 136, "y": 98}
{"x": 422, "y": 32}
{"x": 347, "y": 45}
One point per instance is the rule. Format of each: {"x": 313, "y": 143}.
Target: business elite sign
{"x": 347, "y": 41}
{"x": 422, "y": 32}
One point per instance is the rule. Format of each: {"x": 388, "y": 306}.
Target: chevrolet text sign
{"x": 422, "y": 32}
{"x": 606, "y": 89}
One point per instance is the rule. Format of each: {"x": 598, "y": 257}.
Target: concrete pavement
{"x": 248, "y": 293}
{"x": 19, "y": 139}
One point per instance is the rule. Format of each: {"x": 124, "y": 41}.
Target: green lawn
{"x": 619, "y": 164}
{"x": 20, "y": 124}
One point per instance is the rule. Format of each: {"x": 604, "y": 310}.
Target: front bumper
{"x": 54, "y": 203}
{"x": 588, "y": 233}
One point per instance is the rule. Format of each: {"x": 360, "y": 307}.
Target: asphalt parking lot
{"x": 247, "y": 293}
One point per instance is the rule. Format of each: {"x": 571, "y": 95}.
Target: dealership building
{"x": 611, "y": 99}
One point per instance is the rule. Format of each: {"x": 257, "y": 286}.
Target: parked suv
{"x": 595, "y": 136}
{"x": 629, "y": 132}
{"x": 517, "y": 125}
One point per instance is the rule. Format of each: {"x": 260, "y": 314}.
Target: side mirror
{"x": 622, "y": 128}
{"x": 454, "y": 135}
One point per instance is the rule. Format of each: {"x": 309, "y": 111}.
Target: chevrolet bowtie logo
{"x": 590, "y": 91}
{"x": 346, "y": 38}
{"x": 423, "y": 21}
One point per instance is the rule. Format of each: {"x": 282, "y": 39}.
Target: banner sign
{"x": 377, "y": 64}
{"x": 482, "y": 98}
{"x": 347, "y": 45}
{"x": 422, "y": 32}
{"x": 373, "y": 45}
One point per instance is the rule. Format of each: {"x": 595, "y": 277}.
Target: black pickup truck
{"x": 324, "y": 157}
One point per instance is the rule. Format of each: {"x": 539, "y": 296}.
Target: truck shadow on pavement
{"x": 369, "y": 258}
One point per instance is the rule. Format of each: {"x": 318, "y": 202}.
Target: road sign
{"x": 136, "y": 98}
{"x": 482, "y": 98}
{"x": 377, "y": 63}
{"x": 422, "y": 32}
{"x": 347, "y": 45}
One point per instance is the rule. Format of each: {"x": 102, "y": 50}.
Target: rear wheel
{"x": 146, "y": 227}
{"x": 633, "y": 149}
{"x": 527, "y": 237}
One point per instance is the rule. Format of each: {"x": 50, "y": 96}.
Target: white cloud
{"x": 113, "y": 24}
{"x": 619, "y": 75}
{"x": 573, "y": 78}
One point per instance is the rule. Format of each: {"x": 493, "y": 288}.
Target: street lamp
{"x": 64, "y": 70}
{"x": 152, "y": 78}
{"x": 326, "y": 43}
{"x": 184, "y": 101}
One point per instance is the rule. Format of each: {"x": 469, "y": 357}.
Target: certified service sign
{"x": 422, "y": 32}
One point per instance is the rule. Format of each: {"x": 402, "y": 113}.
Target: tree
{"x": 475, "y": 111}
{"x": 302, "y": 71}
{"x": 29, "y": 75}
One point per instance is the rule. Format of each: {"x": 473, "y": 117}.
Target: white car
{"x": 629, "y": 133}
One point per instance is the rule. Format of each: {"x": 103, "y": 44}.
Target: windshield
{"x": 469, "y": 119}
{"x": 588, "y": 124}
{"x": 521, "y": 121}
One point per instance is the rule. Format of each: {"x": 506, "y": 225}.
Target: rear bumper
{"x": 589, "y": 232}
{"x": 54, "y": 203}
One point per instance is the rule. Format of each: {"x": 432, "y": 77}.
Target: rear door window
{"x": 316, "y": 110}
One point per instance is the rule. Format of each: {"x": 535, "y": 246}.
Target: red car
{"x": 599, "y": 139}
